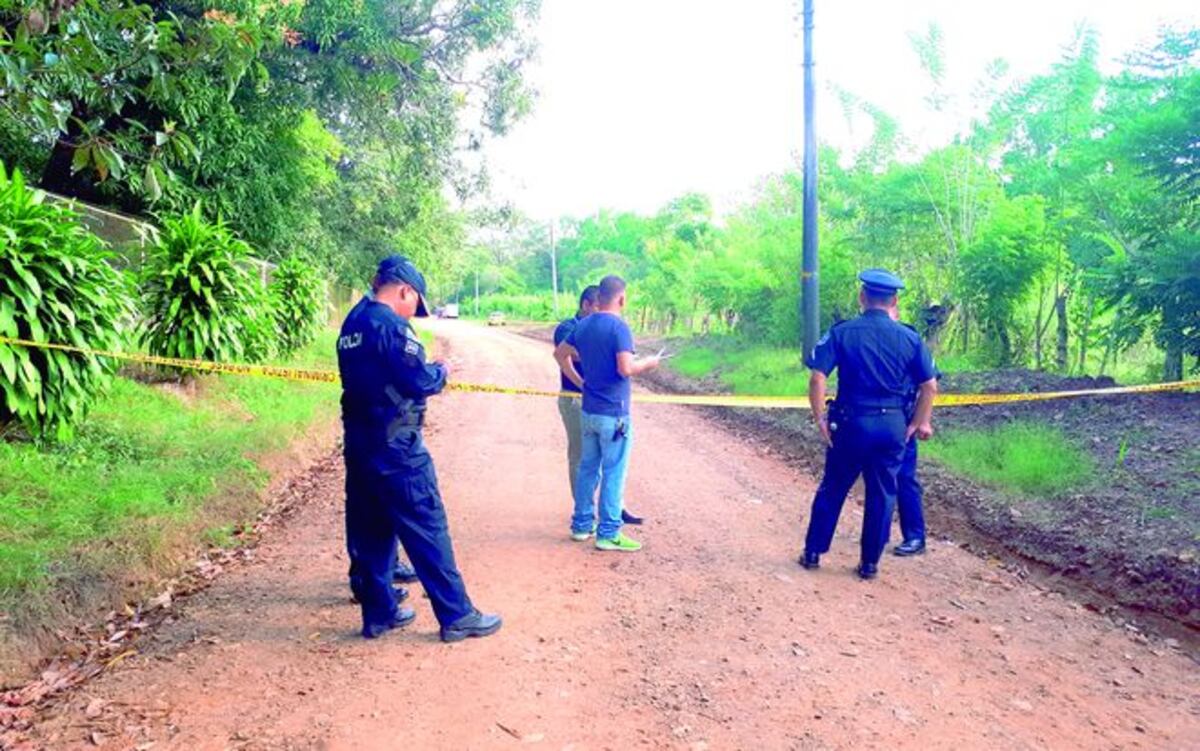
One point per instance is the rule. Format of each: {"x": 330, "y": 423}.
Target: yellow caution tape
{"x": 702, "y": 400}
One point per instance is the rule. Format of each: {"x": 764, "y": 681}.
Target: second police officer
{"x": 391, "y": 487}
{"x": 909, "y": 493}
{"x": 865, "y": 430}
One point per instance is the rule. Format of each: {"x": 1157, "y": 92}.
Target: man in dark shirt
{"x": 391, "y": 486}
{"x": 866, "y": 428}
{"x": 603, "y": 346}
{"x": 570, "y": 407}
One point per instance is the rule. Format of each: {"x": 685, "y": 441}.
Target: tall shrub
{"x": 202, "y": 299}
{"x": 57, "y": 286}
{"x": 298, "y": 296}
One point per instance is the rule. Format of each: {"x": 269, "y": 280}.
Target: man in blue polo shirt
{"x": 602, "y": 344}
{"x": 570, "y": 407}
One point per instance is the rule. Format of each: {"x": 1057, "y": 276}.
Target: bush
{"x": 261, "y": 333}
{"x": 298, "y": 299}
{"x": 202, "y": 299}
{"x": 59, "y": 288}
{"x": 534, "y": 307}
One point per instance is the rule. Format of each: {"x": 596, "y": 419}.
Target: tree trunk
{"x": 1173, "y": 363}
{"x": 1001, "y": 333}
{"x": 1060, "y": 309}
{"x": 1084, "y": 334}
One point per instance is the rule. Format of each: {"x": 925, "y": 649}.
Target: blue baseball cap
{"x": 880, "y": 282}
{"x": 399, "y": 270}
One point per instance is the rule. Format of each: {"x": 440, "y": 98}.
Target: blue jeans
{"x": 604, "y": 462}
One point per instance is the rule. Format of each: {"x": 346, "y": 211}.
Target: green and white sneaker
{"x": 620, "y": 543}
{"x": 582, "y": 536}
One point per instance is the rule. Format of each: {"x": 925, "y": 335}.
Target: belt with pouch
{"x": 865, "y": 410}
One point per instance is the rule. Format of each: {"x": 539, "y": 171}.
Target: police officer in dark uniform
{"x": 866, "y": 429}
{"x": 391, "y": 486}
{"x": 909, "y": 492}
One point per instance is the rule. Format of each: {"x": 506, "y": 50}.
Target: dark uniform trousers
{"x": 402, "y": 501}
{"x": 909, "y": 496}
{"x": 867, "y": 442}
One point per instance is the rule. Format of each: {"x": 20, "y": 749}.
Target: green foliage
{"x": 519, "y": 307}
{"x": 1025, "y": 457}
{"x": 146, "y": 466}
{"x": 202, "y": 299}
{"x": 1059, "y": 230}
{"x": 110, "y": 88}
{"x": 298, "y": 299}
{"x": 235, "y": 105}
{"x": 57, "y": 287}
{"x": 756, "y": 370}
{"x": 1001, "y": 265}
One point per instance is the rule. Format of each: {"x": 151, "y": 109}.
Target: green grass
{"x": 695, "y": 362}
{"x": 146, "y": 464}
{"x": 1024, "y": 457}
{"x": 758, "y": 370}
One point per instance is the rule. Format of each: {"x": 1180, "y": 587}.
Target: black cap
{"x": 400, "y": 270}
{"x": 880, "y": 282}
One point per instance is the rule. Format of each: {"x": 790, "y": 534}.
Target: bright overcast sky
{"x": 642, "y": 100}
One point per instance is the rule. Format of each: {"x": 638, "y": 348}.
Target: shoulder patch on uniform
{"x": 411, "y": 346}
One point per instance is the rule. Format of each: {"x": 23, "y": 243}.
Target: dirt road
{"x": 711, "y": 637}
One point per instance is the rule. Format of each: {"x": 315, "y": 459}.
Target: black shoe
{"x": 471, "y": 626}
{"x": 867, "y": 571}
{"x": 400, "y": 593}
{"x": 810, "y": 561}
{"x": 404, "y": 573}
{"x": 629, "y": 518}
{"x": 910, "y": 547}
{"x": 403, "y": 617}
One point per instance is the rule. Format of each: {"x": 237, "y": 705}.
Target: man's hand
{"x": 649, "y": 363}
{"x": 823, "y": 427}
{"x": 923, "y": 431}
{"x": 629, "y": 366}
{"x": 445, "y": 366}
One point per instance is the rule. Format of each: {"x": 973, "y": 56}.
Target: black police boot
{"x": 473, "y": 625}
{"x": 629, "y": 518}
{"x": 810, "y": 561}
{"x": 403, "y": 572}
{"x": 910, "y": 547}
{"x": 403, "y": 617}
{"x": 867, "y": 571}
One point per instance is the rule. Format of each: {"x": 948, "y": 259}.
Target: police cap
{"x": 399, "y": 270}
{"x": 880, "y": 282}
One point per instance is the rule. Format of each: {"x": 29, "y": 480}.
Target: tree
{"x": 161, "y": 105}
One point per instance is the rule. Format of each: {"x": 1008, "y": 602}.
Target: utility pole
{"x": 810, "y": 307}
{"x": 554, "y": 268}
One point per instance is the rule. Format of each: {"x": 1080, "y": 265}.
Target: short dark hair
{"x": 875, "y": 297}
{"x": 611, "y": 287}
{"x": 591, "y": 293}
